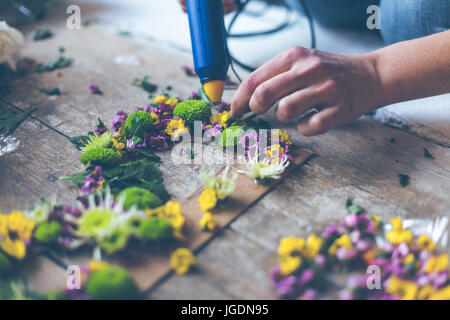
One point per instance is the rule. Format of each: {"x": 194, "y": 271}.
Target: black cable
{"x": 282, "y": 26}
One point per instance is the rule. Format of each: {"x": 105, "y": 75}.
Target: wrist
{"x": 380, "y": 95}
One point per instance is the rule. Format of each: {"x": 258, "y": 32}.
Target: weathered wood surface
{"x": 357, "y": 161}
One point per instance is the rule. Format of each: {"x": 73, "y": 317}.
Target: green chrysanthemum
{"x": 156, "y": 229}
{"x": 48, "y": 232}
{"x": 193, "y": 110}
{"x": 111, "y": 283}
{"x": 96, "y": 142}
{"x": 139, "y": 197}
{"x": 101, "y": 157}
{"x": 230, "y": 137}
{"x": 115, "y": 241}
{"x": 137, "y": 123}
{"x": 134, "y": 224}
{"x": 96, "y": 222}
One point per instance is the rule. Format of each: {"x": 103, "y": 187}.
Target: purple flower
{"x": 346, "y": 295}
{"x": 130, "y": 144}
{"x": 309, "y": 294}
{"x": 120, "y": 119}
{"x": 93, "y": 182}
{"x": 223, "y": 106}
{"x": 100, "y": 127}
{"x": 306, "y": 276}
{"x": 159, "y": 143}
{"x": 214, "y": 131}
{"x": 330, "y": 231}
{"x": 400, "y": 252}
{"x": 346, "y": 254}
{"x": 189, "y": 71}
{"x": 286, "y": 287}
{"x": 320, "y": 260}
{"x": 94, "y": 89}
{"x": 362, "y": 245}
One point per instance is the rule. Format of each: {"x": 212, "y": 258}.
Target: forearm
{"x": 413, "y": 69}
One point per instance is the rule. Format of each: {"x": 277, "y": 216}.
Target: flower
{"x": 207, "y": 199}
{"x": 97, "y": 142}
{"x": 250, "y": 142}
{"x": 425, "y": 243}
{"x": 94, "y": 89}
{"x": 221, "y": 118}
{"x": 398, "y": 234}
{"x": 15, "y": 233}
{"x": 11, "y": 40}
{"x": 95, "y": 265}
{"x": 289, "y": 264}
{"x": 176, "y": 127}
{"x": 291, "y": 245}
{"x": 313, "y": 246}
{"x": 404, "y": 290}
{"x": 437, "y": 263}
{"x": 265, "y": 169}
{"x": 93, "y": 182}
{"x": 161, "y": 99}
{"x": 208, "y": 222}
{"x": 274, "y": 151}
{"x": 171, "y": 212}
{"x": 181, "y": 260}
{"x": 103, "y": 221}
{"x": 223, "y": 185}
{"x": 342, "y": 242}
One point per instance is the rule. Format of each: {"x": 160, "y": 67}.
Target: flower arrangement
{"x": 410, "y": 266}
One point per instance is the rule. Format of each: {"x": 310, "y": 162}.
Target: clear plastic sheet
{"x": 8, "y": 144}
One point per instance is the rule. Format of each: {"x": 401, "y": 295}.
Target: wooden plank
{"x": 32, "y": 171}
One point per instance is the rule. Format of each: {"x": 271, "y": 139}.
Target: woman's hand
{"x": 228, "y": 5}
{"x": 340, "y": 87}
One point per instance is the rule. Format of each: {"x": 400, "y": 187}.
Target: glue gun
{"x": 209, "y": 45}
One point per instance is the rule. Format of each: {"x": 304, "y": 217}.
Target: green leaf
{"x": 9, "y": 121}
{"x": 145, "y": 84}
{"x": 59, "y": 63}
{"x": 42, "y": 34}
{"x": 51, "y": 92}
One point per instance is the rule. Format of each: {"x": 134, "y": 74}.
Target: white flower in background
{"x": 11, "y": 40}
{"x": 268, "y": 168}
{"x": 223, "y": 184}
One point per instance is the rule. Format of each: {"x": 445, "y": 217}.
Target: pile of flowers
{"x": 410, "y": 267}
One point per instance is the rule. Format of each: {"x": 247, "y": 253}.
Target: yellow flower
{"x": 376, "y": 221}
{"x": 275, "y": 151}
{"x": 442, "y": 294}
{"x": 207, "y": 200}
{"x": 161, "y": 99}
{"x": 409, "y": 259}
{"x": 291, "y": 245}
{"x": 425, "y": 243}
{"x": 425, "y": 292}
{"x": 176, "y": 127}
{"x": 171, "y": 212}
{"x": 155, "y": 117}
{"x": 15, "y": 230}
{"x": 313, "y": 246}
{"x": 97, "y": 265}
{"x": 181, "y": 260}
{"x": 397, "y": 223}
{"x": 172, "y": 101}
{"x": 404, "y": 290}
{"x": 283, "y": 135}
{"x": 397, "y": 237}
{"x": 117, "y": 145}
{"x": 221, "y": 118}
{"x": 208, "y": 222}
{"x": 437, "y": 264}
{"x": 289, "y": 264}
{"x": 342, "y": 242}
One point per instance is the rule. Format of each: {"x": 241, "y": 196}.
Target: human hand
{"x": 341, "y": 88}
{"x": 228, "y": 5}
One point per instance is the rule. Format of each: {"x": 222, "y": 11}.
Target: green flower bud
{"x": 101, "y": 157}
{"x": 111, "y": 283}
{"x": 193, "y": 110}
{"x": 231, "y": 136}
{"x": 156, "y": 229}
{"x": 139, "y": 197}
{"x": 48, "y": 232}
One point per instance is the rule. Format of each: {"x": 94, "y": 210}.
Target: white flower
{"x": 223, "y": 184}
{"x": 41, "y": 212}
{"x": 11, "y": 40}
{"x": 264, "y": 169}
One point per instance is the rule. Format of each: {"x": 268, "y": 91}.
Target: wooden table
{"x": 359, "y": 161}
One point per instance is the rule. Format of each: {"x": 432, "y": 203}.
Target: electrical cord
{"x": 278, "y": 28}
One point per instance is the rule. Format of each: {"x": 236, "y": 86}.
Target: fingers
{"x": 321, "y": 122}
{"x": 277, "y": 65}
{"x": 297, "y": 103}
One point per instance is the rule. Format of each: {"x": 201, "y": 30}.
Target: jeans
{"x": 400, "y": 19}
